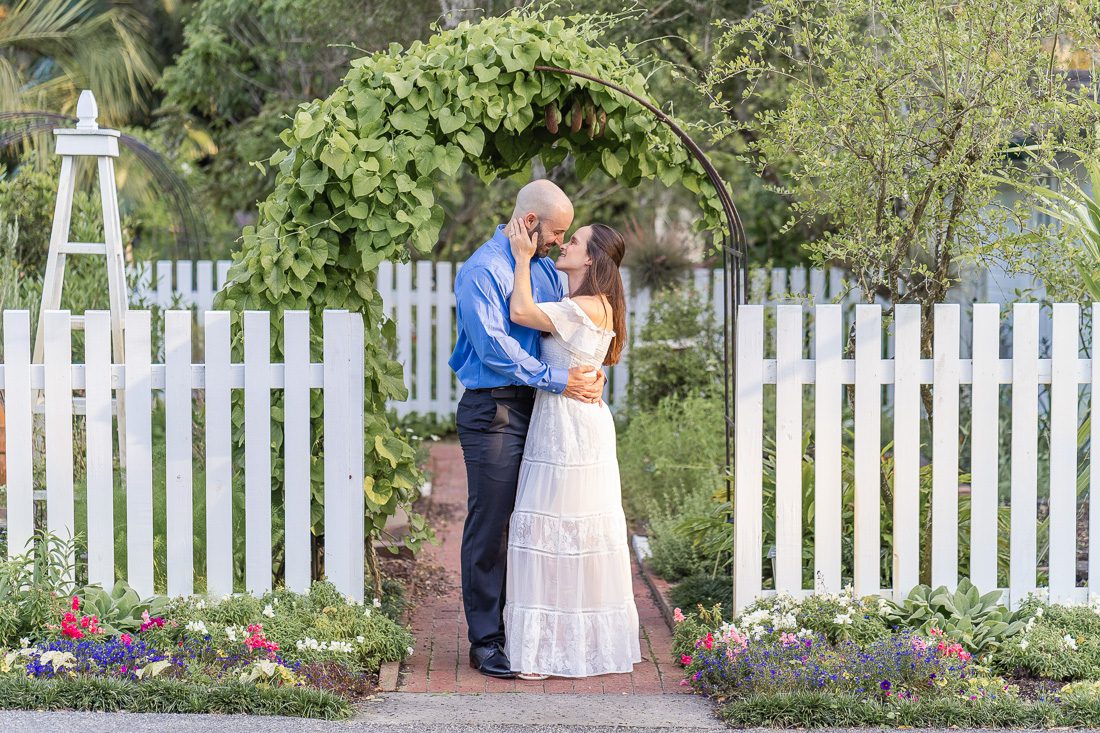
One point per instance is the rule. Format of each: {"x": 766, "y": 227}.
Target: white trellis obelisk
{"x": 88, "y": 140}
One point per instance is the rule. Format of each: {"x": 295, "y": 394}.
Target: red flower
{"x": 685, "y": 659}
{"x": 76, "y": 603}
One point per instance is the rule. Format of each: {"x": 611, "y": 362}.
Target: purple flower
{"x": 885, "y": 685}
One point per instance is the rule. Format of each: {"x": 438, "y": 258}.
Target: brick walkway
{"x": 441, "y": 662}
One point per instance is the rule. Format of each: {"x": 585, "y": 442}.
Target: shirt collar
{"x": 502, "y": 240}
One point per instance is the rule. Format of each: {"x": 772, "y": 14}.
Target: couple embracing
{"x": 546, "y": 577}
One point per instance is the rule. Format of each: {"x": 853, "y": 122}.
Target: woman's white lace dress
{"x": 570, "y": 605}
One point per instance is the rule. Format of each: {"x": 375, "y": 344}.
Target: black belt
{"x": 510, "y": 392}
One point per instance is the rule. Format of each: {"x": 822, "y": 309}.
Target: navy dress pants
{"x": 492, "y": 428}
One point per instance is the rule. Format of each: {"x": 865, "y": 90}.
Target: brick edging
{"x": 658, "y": 587}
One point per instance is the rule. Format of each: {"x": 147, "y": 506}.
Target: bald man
{"x": 498, "y": 363}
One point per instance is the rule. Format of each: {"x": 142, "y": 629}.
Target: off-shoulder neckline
{"x": 586, "y": 317}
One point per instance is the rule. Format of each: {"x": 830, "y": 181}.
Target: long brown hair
{"x": 606, "y": 248}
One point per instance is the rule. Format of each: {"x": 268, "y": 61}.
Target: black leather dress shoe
{"x": 491, "y": 661}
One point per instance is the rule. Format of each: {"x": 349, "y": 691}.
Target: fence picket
{"x": 59, "y": 425}
{"x": 907, "y": 407}
{"x": 139, "y": 458}
{"x": 827, "y": 412}
{"x": 404, "y": 330}
{"x": 868, "y": 448}
{"x": 444, "y": 297}
{"x": 18, "y": 423}
{"x": 219, "y": 457}
{"x": 177, "y": 446}
{"x": 984, "y": 458}
{"x": 204, "y": 286}
{"x": 1063, "y": 453}
{"x": 423, "y": 383}
{"x": 165, "y": 289}
{"x": 99, "y": 428}
{"x": 788, "y": 449}
{"x": 1024, "y": 471}
{"x": 257, "y": 451}
{"x": 945, "y": 446}
{"x": 184, "y": 289}
{"x": 1094, "y": 462}
{"x": 335, "y": 445}
{"x": 296, "y": 449}
{"x": 748, "y": 533}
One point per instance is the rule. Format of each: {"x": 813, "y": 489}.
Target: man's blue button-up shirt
{"x": 491, "y": 351}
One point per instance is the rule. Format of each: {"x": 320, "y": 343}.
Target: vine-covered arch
{"x": 355, "y": 184}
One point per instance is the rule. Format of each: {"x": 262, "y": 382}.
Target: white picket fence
{"x": 180, "y": 384}
{"x": 420, "y": 297}
{"x": 785, "y": 365}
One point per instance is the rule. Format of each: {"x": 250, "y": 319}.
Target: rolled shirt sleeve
{"x": 482, "y": 306}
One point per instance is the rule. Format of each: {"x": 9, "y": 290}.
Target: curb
{"x": 658, "y": 587}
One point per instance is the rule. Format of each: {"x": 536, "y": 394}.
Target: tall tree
{"x": 899, "y": 123}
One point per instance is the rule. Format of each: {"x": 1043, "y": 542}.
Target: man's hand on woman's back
{"x": 585, "y": 384}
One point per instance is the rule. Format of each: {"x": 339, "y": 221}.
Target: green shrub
{"x": 677, "y": 354}
{"x": 34, "y": 587}
{"x": 675, "y": 554}
{"x": 169, "y": 696}
{"x": 823, "y": 710}
{"x": 839, "y": 617}
{"x": 303, "y": 625}
{"x": 675, "y": 450}
{"x": 1057, "y": 643}
{"x": 705, "y": 590}
{"x": 978, "y": 622}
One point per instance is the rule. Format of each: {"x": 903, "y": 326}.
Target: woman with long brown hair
{"x": 569, "y": 607}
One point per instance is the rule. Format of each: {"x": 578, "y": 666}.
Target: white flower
{"x": 843, "y": 618}
{"x": 24, "y": 642}
{"x": 360, "y": 639}
{"x": 1039, "y": 612}
{"x": 409, "y": 649}
{"x": 197, "y": 627}
{"x": 377, "y": 603}
{"x": 231, "y": 632}
{"x": 366, "y": 612}
{"x": 434, "y": 438}
{"x": 1070, "y": 642}
{"x": 1024, "y": 645}
{"x": 200, "y": 604}
{"x": 269, "y": 611}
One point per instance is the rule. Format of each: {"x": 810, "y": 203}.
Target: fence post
{"x": 337, "y": 434}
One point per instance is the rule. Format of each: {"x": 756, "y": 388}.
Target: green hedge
{"x": 169, "y": 696}
{"x": 819, "y": 710}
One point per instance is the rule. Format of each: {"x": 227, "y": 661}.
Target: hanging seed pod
{"x": 603, "y": 123}
{"x": 590, "y": 119}
{"x": 578, "y": 118}
{"x": 552, "y": 118}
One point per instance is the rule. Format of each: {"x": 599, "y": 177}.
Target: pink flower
{"x": 677, "y": 615}
{"x": 123, "y": 669}
{"x": 685, "y": 659}
{"x": 126, "y": 639}
{"x": 788, "y": 639}
{"x": 709, "y": 642}
{"x": 76, "y": 603}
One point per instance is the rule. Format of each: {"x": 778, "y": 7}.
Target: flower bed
{"x": 843, "y": 661}
{"x": 283, "y": 653}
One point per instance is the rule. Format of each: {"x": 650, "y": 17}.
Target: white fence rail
{"x": 181, "y": 386}
{"x": 420, "y": 296}
{"x": 786, "y": 366}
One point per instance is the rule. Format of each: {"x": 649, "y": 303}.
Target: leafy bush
{"x": 675, "y": 554}
{"x": 674, "y": 451}
{"x": 979, "y": 622}
{"x": 1057, "y": 642}
{"x": 677, "y": 353}
{"x": 836, "y": 617}
{"x": 321, "y": 625}
{"x": 830, "y": 710}
{"x": 704, "y": 590}
{"x": 34, "y": 587}
{"x": 120, "y": 610}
